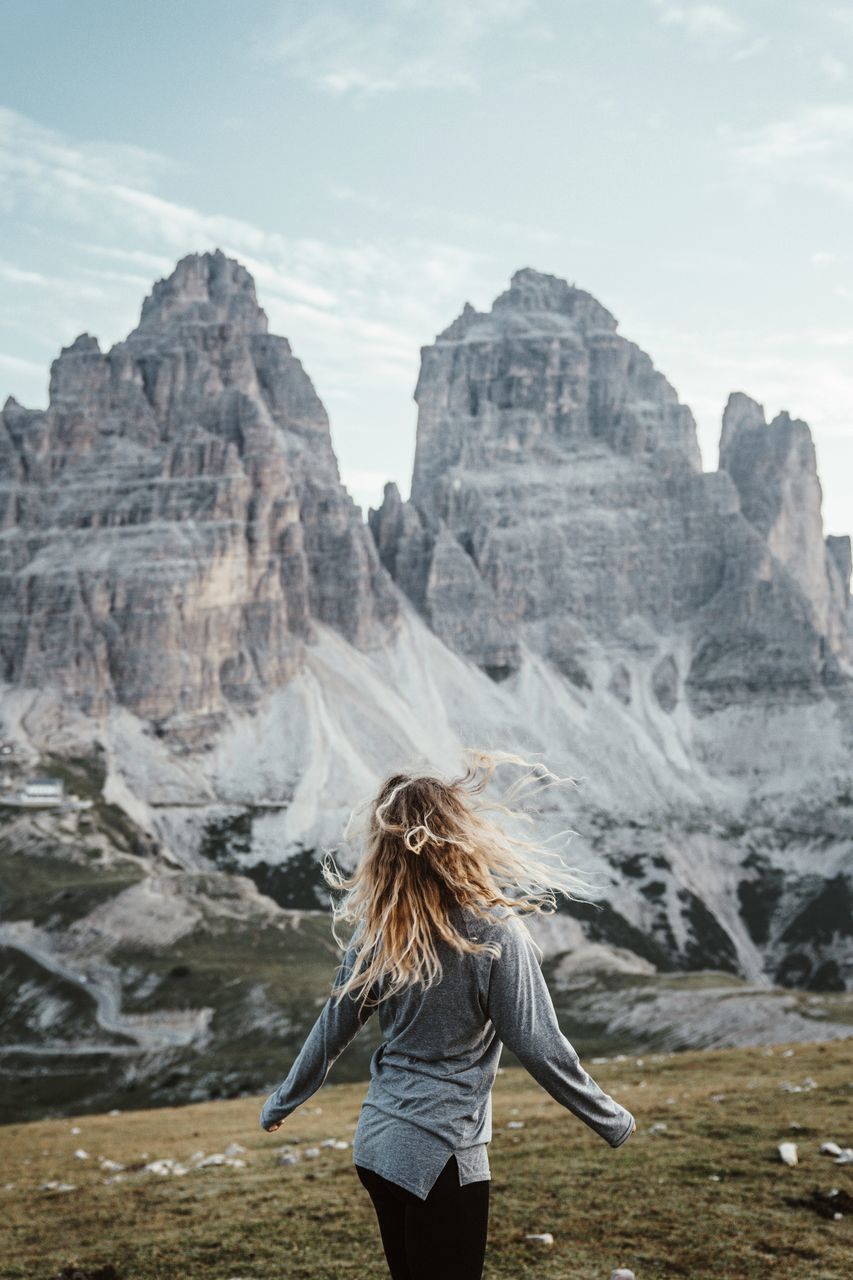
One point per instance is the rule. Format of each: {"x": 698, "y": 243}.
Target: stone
{"x": 174, "y": 522}
{"x": 775, "y": 470}
{"x": 559, "y": 505}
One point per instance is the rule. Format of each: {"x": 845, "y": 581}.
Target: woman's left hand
{"x": 271, "y": 1128}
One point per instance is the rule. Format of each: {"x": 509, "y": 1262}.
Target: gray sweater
{"x": 430, "y": 1091}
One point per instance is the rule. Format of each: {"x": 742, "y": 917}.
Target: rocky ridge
{"x": 558, "y": 488}
{"x": 173, "y": 524}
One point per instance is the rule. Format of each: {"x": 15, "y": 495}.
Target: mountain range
{"x": 203, "y": 637}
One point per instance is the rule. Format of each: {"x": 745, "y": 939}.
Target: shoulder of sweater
{"x": 498, "y": 923}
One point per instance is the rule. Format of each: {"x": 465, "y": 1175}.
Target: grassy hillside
{"x": 704, "y": 1196}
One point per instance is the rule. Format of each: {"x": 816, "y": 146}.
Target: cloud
{"x": 817, "y": 130}
{"x": 822, "y": 258}
{"x": 842, "y": 15}
{"x": 812, "y": 147}
{"x": 27, "y": 146}
{"x": 355, "y": 311}
{"x": 698, "y": 20}
{"x": 135, "y": 257}
{"x": 53, "y": 284}
{"x": 17, "y": 364}
{"x": 435, "y": 215}
{"x": 751, "y": 50}
{"x": 390, "y": 46}
{"x": 15, "y": 275}
{"x": 833, "y": 68}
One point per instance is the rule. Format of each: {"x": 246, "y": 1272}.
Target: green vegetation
{"x": 760, "y": 898}
{"x": 830, "y": 912}
{"x": 706, "y": 1196}
{"x": 709, "y": 946}
{"x": 297, "y": 882}
{"x": 84, "y": 777}
{"x": 602, "y": 923}
{"x": 265, "y": 984}
{"x": 43, "y": 884}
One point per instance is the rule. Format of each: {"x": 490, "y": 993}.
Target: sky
{"x": 376, "y": 164}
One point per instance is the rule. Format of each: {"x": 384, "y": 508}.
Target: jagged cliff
{"x": 200, "y": 633}
{"x": 558, "y": 503}
{"x": 174, "y": 522}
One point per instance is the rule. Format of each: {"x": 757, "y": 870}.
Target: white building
{"x": 43, "y": 791}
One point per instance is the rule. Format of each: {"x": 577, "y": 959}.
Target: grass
{"x": 651, "y": 1205}
{"x": 42, "y": 884}
{"x": 265, "y": 985}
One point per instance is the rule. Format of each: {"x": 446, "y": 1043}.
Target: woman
{"x": 440, "y": 949}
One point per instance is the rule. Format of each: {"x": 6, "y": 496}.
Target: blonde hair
{"x": 429, "y": 843}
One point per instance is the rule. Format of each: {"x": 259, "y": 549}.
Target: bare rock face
{"x": 775, "y": 470}
{"x": 174, "y": 522}
{"x": 838, "y": 546}
{"x": 558, "y": 503}
{"x": 537, "y": 506}
{"x": 542, "y": 374}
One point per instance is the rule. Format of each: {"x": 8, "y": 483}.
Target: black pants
{"x": 440, "y": 1238}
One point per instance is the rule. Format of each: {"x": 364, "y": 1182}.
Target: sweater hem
{"x": 463, "y": 1182}
{"x": 407, "y": 1186}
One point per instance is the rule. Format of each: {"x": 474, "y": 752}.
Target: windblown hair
{"x": 430, "y": 843}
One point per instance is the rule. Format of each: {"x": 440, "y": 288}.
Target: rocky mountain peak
{"x": 774, "y": 468}
{"x": 84, "y": 344}
{"x": 559, "y": 505}
{"x": 205, "y": 288}
{"x": 539, "y": 378}
{"x": 77, "y": 369}
{"x": 534, "y": 291}
{"x": 175, "y": 525}
{"x": 741, "y": 413}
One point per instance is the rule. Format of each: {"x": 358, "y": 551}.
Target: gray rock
{"x": 665, "y": 683}
{"x": 838, "y": 547}
{"x": 174, "y": 523}
{"x": 558, "y": 504}
{"x": 775, "y": 470}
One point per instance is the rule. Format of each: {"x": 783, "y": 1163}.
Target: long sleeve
{"x": 337, "y": 1025}
{"x": 523, "y": 1014}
